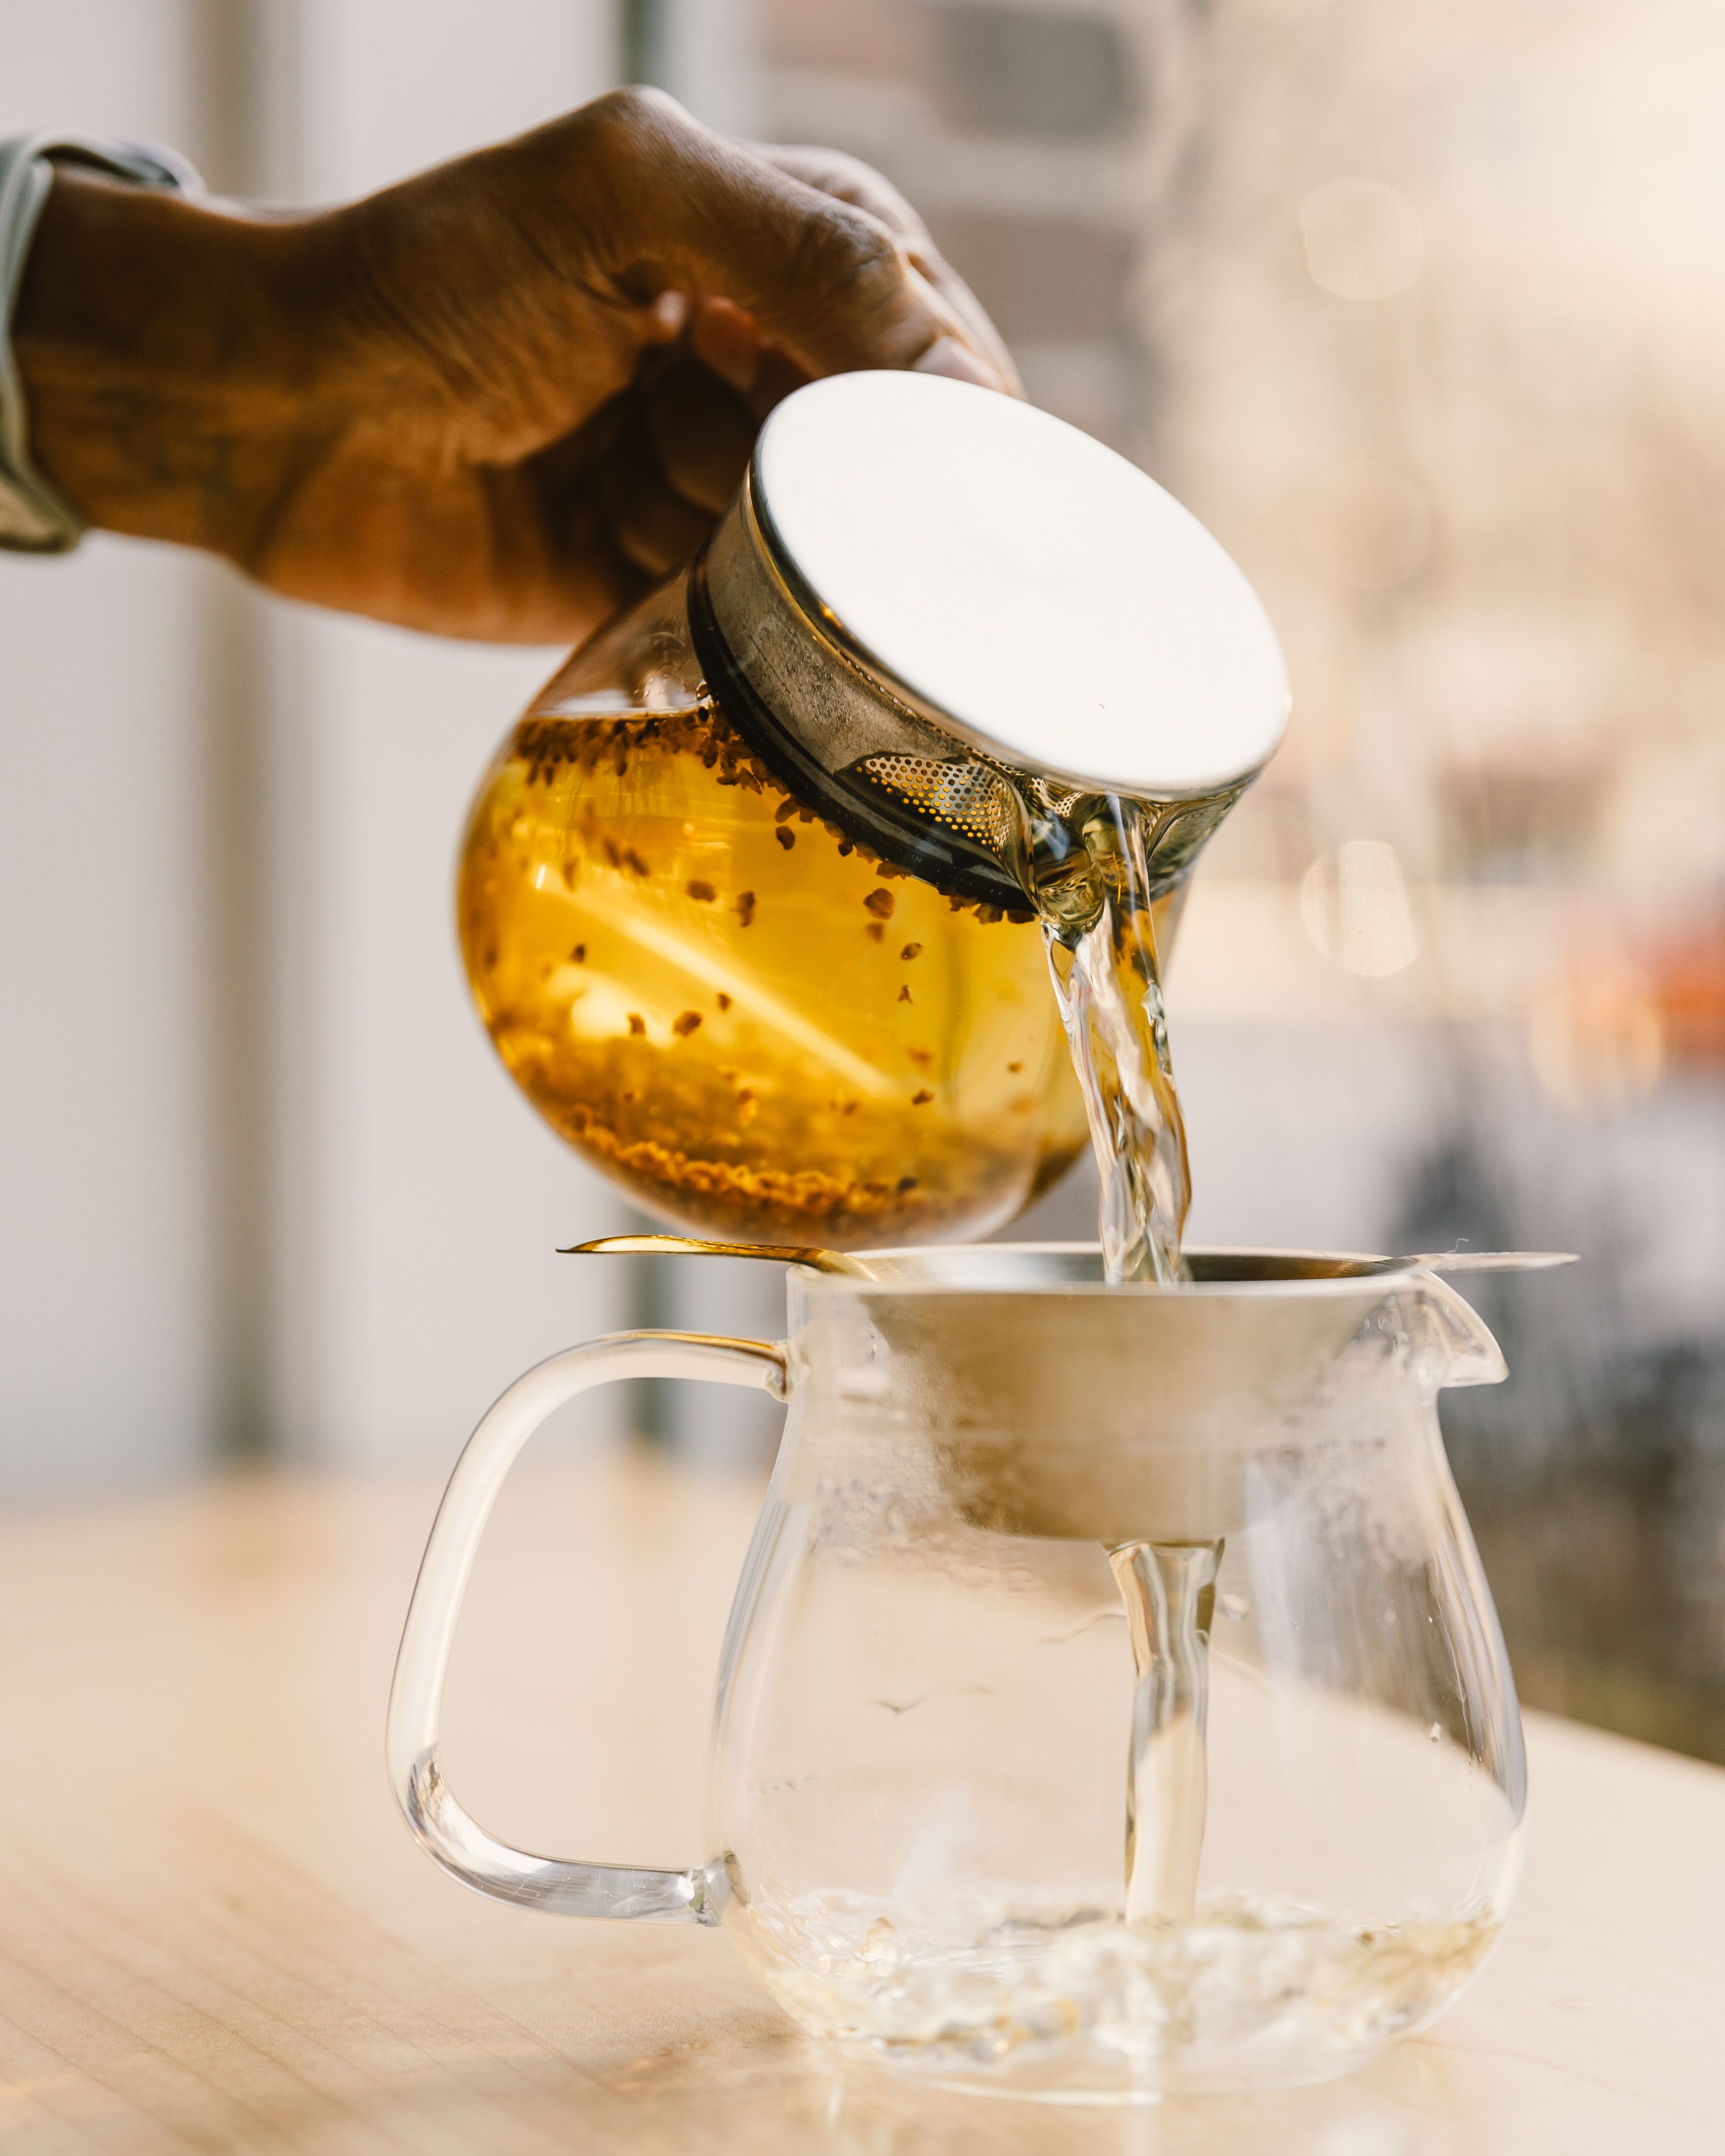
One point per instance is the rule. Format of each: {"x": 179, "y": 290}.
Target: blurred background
{"x": 1420, "y": 307}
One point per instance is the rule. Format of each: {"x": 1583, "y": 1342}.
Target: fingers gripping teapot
{"x": 1112, "y": 1705}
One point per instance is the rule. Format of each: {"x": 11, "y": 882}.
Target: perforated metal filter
{"x": 988, "y": 805}
{"x": 969, "y": 797}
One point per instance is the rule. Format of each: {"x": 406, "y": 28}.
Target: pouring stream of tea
{"x": 1086, "y": 875}
{"x": 1169, "y": 1589}
{"x": 1093, "y": 899}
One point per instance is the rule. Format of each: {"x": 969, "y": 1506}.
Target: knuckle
{"x": 634, "y": 113}
{"x": 845, "y": 248}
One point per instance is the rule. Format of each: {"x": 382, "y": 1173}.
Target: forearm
{"x": 170, "y": 353}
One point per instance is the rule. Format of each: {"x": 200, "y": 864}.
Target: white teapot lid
{"x": 1019, "y": 585}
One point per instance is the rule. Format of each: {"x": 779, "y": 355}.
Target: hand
{"x": 498, "y": 400}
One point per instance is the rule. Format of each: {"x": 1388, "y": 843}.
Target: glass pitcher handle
{"x": 448, "y": 1834}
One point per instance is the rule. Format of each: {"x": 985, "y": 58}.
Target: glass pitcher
{"x": 743, "y": 899}
{"x": 1112, "y": 1706}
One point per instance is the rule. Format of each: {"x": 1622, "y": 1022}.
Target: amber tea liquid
{"x": 649, "y": 922}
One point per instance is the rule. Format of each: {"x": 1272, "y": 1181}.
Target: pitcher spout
{"x": 1457, "y": 1346}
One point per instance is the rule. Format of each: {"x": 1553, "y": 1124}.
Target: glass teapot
{"x": 745, "y": 900}
{"x": 1112, "y": 1705}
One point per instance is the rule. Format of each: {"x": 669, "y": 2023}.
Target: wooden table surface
{"x": 216, "y": 1935}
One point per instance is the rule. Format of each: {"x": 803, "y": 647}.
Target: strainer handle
{"x": 449, "y": 1835}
